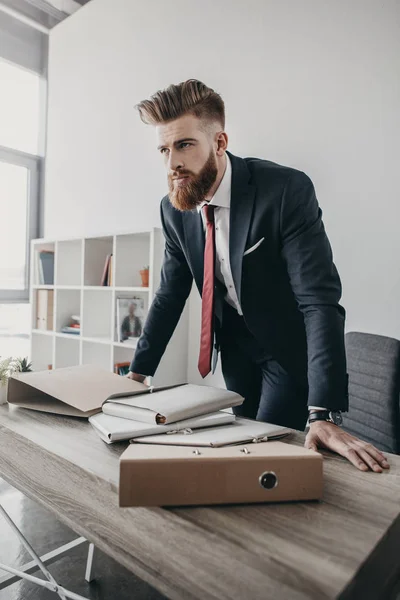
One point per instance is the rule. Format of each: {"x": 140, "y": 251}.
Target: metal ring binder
{"x": 268, "y": 480}
{"x": 186, "y": 431}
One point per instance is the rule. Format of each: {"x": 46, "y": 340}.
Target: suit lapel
{"x": 195, "y": 242}
{"x": 242, "y": 201}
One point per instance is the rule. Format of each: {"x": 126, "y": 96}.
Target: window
{"x": 19, "y": 108}
{"x": 22, "y": 115}
{"x": 18, "y": 222}
{"x": 14, "y": 330}
{"x": 20, "y": 100}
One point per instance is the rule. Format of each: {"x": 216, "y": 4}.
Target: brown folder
{"x": 153, "y": 475}
{"x": 74, "y": 391}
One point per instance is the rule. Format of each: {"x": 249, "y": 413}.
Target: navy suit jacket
{"x": 289, "y": 288}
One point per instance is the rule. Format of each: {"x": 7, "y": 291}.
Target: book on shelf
{"x": 106, "y": 277}
{"x": 73, "y": 327}
{"x": 122, "y": 368}
{"x": 72, "y": 330}
{"x": 110, "y": 271}
{"x": 45, "y": 267}
{"x": 44, "y": 309}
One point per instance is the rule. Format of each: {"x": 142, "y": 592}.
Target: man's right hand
{"x": 136, "y": 377}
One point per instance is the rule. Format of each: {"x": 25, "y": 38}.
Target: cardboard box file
{"x": 74, "y": 391}
{"x": 153, "y": 475}
{"x": 82, "y": 391}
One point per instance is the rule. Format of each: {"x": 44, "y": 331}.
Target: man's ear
{"x": 222, "y": 143}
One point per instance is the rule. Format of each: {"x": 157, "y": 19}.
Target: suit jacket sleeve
{"x": 167, "y": 306}
{"x": 317, "y": 289}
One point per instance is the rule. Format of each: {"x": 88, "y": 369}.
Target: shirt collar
{"x": 222, "y": 196}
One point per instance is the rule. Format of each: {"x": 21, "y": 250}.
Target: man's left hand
{"x": 364, "y": 456}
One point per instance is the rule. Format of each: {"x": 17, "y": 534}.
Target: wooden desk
{"x": 346, "y": 546}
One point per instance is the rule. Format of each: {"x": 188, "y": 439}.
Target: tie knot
{"x": 209, "y": 213}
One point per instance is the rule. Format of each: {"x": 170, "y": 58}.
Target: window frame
{"x": 33, "y": 164}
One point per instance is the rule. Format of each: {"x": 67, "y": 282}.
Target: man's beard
{"x": 193, "y": 193}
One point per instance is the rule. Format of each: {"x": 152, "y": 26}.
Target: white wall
{"x": 309, "y": 83}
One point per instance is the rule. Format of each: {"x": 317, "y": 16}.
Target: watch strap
{"x": 319, "y": 415}
{"x": 325, "y": 415}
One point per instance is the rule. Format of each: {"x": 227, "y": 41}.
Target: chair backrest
{"x": 373, "y": 365}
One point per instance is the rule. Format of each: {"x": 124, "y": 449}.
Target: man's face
{"x": 189, "y": 157}
{"x": 131, "y": 310}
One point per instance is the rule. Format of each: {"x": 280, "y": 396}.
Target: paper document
{"x": 239, "y": 432}
{"x": 114, "y": 429}
{"x": 172, "y": 404}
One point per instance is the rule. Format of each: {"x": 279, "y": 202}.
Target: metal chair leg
{"x": 51, "y": 584}
{"x": 89, "y": 564}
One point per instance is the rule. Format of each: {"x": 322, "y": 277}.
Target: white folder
{"x": 115, "y": 429}
{"x": 172, "y": 404}
{"x": 241, "y": 431}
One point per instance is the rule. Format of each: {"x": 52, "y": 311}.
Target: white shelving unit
{"x": 78, "y": 269}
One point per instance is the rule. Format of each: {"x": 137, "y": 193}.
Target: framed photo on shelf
{"x": 130, "y": 319}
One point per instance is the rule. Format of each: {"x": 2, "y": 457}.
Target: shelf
{"x": 97, "y": 340}
{"x": 132, "y": 254}
{"x": 67, "y": 351}
{"x": 46, "y": 268}
{"x": 68, "y": 335}
{"x": 69, "y": 263}
{"x": 131, "y": 289}
{"x": 96, "y": 314}
{"x": 101, "y": 288}
{"x": 43, "y": 331}
{"x": 41, "y": 349}
{"x": 68, "y": 303}
{"x": 96, "y": 252}
{"x": 122, "y": 353}
{"x": 75, "y": 290}
{"x": 43, "y": 287}
{"x": 96, "y": 354}
{"x": 122, "y": 345}
{"x": 94, "y": 288}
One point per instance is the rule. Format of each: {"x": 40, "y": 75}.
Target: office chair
{"x": 373, "y": 365}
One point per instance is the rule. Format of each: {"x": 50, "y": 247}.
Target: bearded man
{"x": 250, "y": 234}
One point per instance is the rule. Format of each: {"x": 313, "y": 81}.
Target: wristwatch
{"x": 332, "y": 416}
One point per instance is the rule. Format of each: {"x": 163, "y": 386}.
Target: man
{"x": 250, "y": 233}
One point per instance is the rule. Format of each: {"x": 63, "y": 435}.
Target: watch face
{"x": 336, "y": 418}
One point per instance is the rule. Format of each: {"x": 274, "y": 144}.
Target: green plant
{"x": 5, "y": 367}
{"x": 22, "y": 365}
{"x": 10, "y": 365}
{"x": 145, "y": 268}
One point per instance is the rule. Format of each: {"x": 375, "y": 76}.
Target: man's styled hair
{"x": 189, "y": 97}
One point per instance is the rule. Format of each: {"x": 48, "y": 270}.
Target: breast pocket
{"x": 250, "y": 250}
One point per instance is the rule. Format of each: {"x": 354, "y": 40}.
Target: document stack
{"x": 189, "y": 415}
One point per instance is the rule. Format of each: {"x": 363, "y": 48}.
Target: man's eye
{"x": 184, "y": 144}
{"x": 163, "y": 150}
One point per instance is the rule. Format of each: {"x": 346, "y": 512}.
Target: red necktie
{"x": 207, "y": 303}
